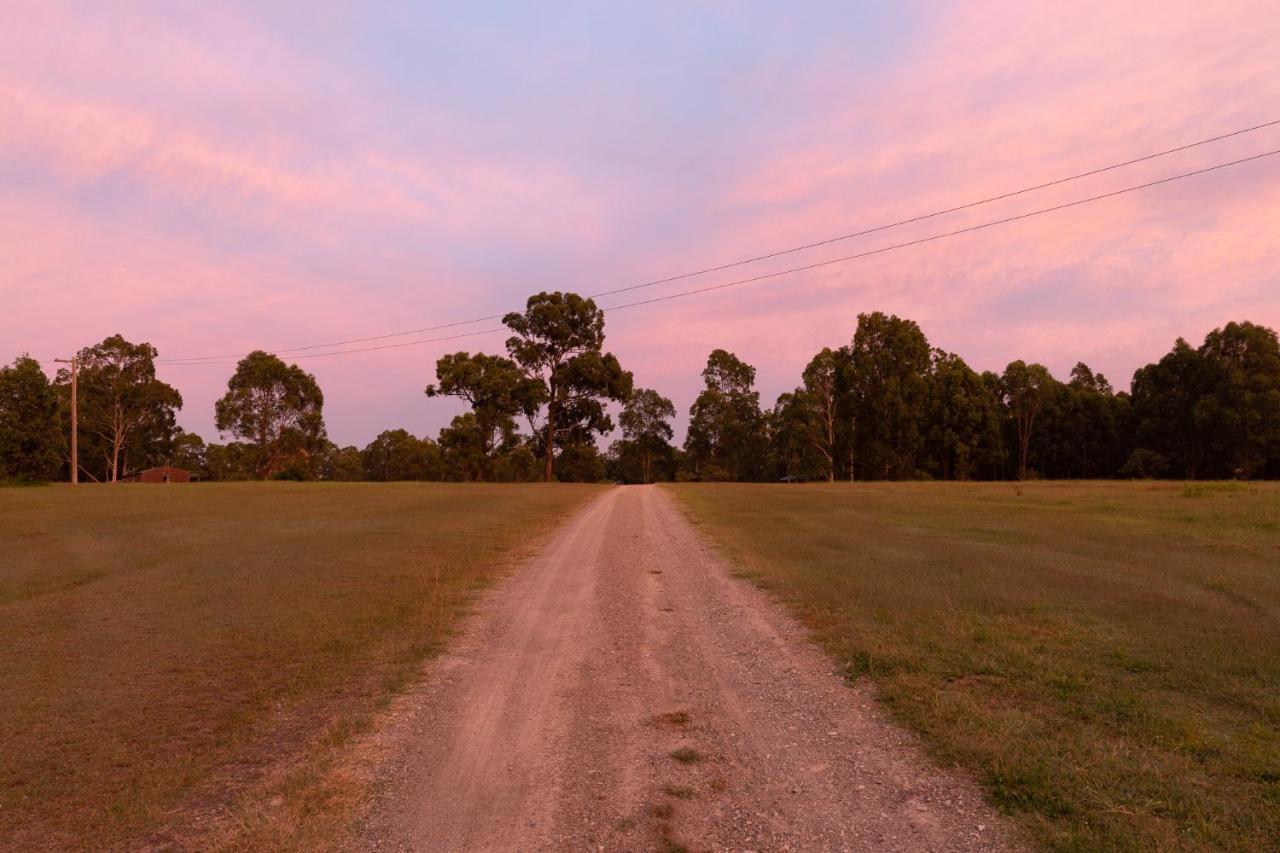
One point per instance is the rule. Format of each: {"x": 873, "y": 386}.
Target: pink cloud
{"x": 262, "y": 195}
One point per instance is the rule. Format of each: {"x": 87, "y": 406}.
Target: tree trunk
{"x": 547, "y": 470}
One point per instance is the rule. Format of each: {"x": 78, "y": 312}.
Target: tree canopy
{"x": 276, "y": 408}
{"x": 498, "y": 390}
{"x": 558, "y": 342}
{"x": 127, "y": 416}
{"x": 726, "y": 438}
{"x": 646, "y": 426}
{"x": 32, "y": 442}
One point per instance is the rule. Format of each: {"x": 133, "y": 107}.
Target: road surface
{"x": 622, "y": 691}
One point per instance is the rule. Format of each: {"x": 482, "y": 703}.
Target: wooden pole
{"x": 75, "y": 432}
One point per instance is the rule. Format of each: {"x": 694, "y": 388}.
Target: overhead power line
{"x": 967, "y": 230}
{"x": 833, "y": 261}
{"x": 755, "y": 258}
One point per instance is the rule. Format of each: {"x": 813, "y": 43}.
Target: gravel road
{"x": 621, "y": 691}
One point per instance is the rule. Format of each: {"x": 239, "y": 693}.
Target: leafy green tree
{"x": 1165, "y": 399}
{"x": 1144, "y": 464}
{"x": 625, "y": 463}
{"x": 961, "y": 419}
{"x": 581, "y": 461}
{"x": 123, "y": 408}
{"x": 497, "y": 390}
{"x": 518, "y": 465}
{"x": 821, "y": 394}
{"x": 797, "y": 433}
{"x": 465, "y": 456}
{"x": 646, "y": 423}
{"x": 31, "y": 437}
{"x": 727, "y": 438}
{"x": 1099, "y": 423}
{"x": 1241, "y": 412}
{"x": 231, "y": 461}
{"x": 341, "y": 464}
{"x": 396, "y": 454}
{"x": 558, "y": 341}
{"x": 187, "y": 450}
{"x": 1025, "y": 388}
{"x": 889, "y": 362}
{"x": 277, "y": 409}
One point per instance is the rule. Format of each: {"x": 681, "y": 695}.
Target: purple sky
{"x": 215, "y": 178}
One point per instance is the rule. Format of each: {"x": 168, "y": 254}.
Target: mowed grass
{"x": 180, "y": 663}
{"x": 1104, "y": 656}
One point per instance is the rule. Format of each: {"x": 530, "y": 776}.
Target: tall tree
{"x": 1241, "y": 412}
{"x": 558, "y": 341}
{"x": 821, "y": 386}
{"x": 122, "y": 406}
{"x": 726, "y": 437}
{"x": 962, "y": 419}
{"x": 1025, "y": 387}
{"x": 646, "y": 423}
{"x": 1097, "y": 424}
{"x": 277, "y": 409}
{"x": 31, "y": 440}
{"x": 1165, "y": 395}
{"x": 797, "y": 431}
{"x": 888, "y": 366}
{"x": 498, "y": 390}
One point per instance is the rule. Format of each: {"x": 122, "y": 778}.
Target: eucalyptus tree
{"x": 888, "y": 366}
{"x": 821, "y": 393}
{"x": 558, "y": 342}
{"x": 277, "y": 409}
{"x": 498, "y": 390}
{"x": 397, "y": 454}
{"x": 1025, "y": 389}
{"x": 123, "y": 408}
{"x": 727, "y": 438}
{"x": 646, "y": 423}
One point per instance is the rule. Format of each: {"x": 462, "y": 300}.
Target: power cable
{"x": 767, "y": 256}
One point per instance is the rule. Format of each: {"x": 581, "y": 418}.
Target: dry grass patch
{"x": 679, "y": 792}
{"x": 208, "y": 651}
{"x": 1105, "y": 656}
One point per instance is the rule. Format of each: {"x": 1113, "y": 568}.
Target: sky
{"x": 217, "y": 178}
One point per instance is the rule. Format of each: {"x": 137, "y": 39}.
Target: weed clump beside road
{"x": 687, "y": 755}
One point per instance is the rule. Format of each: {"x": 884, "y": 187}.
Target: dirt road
{"x": 621, "y": 691}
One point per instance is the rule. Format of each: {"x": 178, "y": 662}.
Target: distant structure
{"x": 163, "y": 474}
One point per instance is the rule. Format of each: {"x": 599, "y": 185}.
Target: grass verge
{"x": 1104, "y": 656}
{"x": 185, "y": 664}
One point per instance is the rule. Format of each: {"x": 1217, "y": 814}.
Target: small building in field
{"x": 163, "y": 474}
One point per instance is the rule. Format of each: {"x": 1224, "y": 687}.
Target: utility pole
{"x": 75, "y": 454}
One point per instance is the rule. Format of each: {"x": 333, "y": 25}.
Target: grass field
{"x": 1104, "y": 656}
{"x": 180, "y": 662}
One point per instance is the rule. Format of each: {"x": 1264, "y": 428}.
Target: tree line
{"x": 885, "y": 406}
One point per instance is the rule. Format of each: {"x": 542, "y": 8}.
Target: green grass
{"x": 1104, "y": 656}
{"x": 182, "y": 652}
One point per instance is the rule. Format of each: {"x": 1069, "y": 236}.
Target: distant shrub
{"x": 1145, "y": 464}
{"x": 21, "y": 481}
